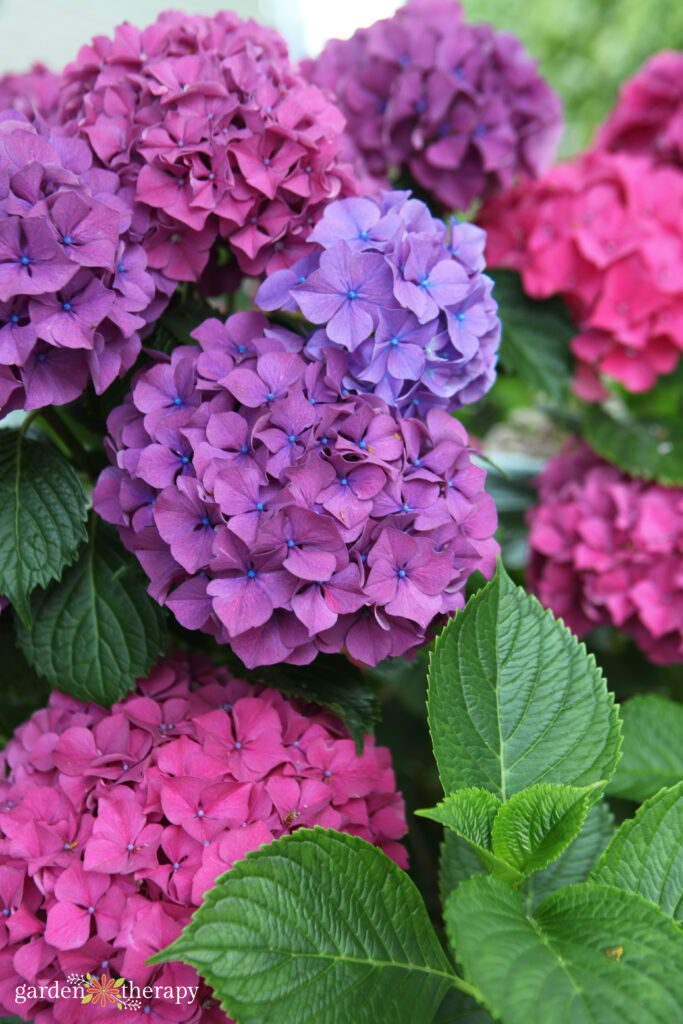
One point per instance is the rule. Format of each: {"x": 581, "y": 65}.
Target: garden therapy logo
{"x": 110, "y": 993}
{"x": 104, "y": 991}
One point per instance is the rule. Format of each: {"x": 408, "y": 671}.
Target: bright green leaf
{"x": 651, "y": 450}
{"x": 533, "y": 827}
{"x": 652, "y": 751}
{"x": 42, "y": 514}
{"x": 646, "y": 854}
{"x": 514, "y": 700}
{"x": 536, "y": 336}
{"x": 590, "y": 954}
{"x": 97, "y": 630}
{"x": 577, "y": 861}
{"x": 318, "y": 927}
{"x": 470, "y": 813}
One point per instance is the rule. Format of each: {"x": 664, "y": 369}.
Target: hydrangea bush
{"x": 266, "y": 403}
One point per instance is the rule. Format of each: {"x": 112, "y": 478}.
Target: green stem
{"x": 69, "y": 439}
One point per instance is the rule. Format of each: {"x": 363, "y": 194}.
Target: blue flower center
{"x": 460, "y": 317}
{"x": 91, "y": 910}
{"x": 244, "y": 449}
{"x": 241, "y": 348}
{"x": 121, "y": 268}
{"x": 292, "y": 437}
{"x": 401, "y": 573}
{"x": 130, "y": 847}
{"x": 352, "y": 294}
{"x": 416, "y": 462}
{"x": 251, "y": 574}
{"x": 271, "y": 395}
{"x": 406, "y": 508}
{"x": 41, "y": 357}
{"x": 177, "y": 401}
{"x": 424, "y": 282}
{"x": 344, "y": 481}
{"x": 363, "y": 234}
{"x": 302, "y": 279}
{"x": 238, "y": 745}
{"x": 67, "y": 239}
{"x": 259, "y": 507}
{"x": 290, "y": 543}
{"x": 205, "y": 521}
{"x": 176, "y": 865}
{"x": 66, "y": 306}
{"x": 325, "y": 440}
{"x": 362, "y": 444}
{"x": 25, "y": 260}
{"x": 394, "y": 341}
{"x": 266, "y": 161}
{"x": 185, "y": 460}
{"x": 15, "y": 318}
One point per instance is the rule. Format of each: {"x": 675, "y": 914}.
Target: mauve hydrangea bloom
{"x": 207, "y": 121}
{"x": 603, "y": 231}
{"x": 607, "y": 549}
{"x": 34, "y": 93}
{"x": 460, "y": 107}
{"x": 285, "y": 516}
{"x": 648, "y": 116}
{"x": 403, "y": 304}
{"x": 113, "y": 824}
{"x": 74, "y": 290}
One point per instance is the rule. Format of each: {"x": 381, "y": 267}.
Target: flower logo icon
{"x": 105, "y": 991}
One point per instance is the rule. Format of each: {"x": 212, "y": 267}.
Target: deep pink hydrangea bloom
{"x": 460, "y": 107}
{"x": 74, "y": 289}
{"x": 280, "y": 513}
{"x": 607, "y": 549}
{"x": 113, "y": 824}
{"x": 603, "y": 231}
{"x": 403, "y": 303}
{"x": 34, "y": 93}
{"x": 208, "y": 122}
{"x": 648, "y": 116}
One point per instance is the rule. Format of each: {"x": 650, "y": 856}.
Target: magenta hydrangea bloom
{"x": 459, "y": 107}
{"x": 74, "y": 289}
{"x": 34, "y": 93}
{"x": 215, "y": 132}
{"x": 113, "y": 824}
{"x": 403, "y": 305}
{"x": 607, "y": 549}
{"x": 284, "y": 515}
{"x": 604, "y": 232}
{"x": 648, "y": 116}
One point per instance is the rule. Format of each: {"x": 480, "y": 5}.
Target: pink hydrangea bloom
{"x": 648, "y": 116}
{"x": 284, "y": 515}
{"x": 604, "y": 232}
{"x": 218, "y": 136}
{"x": 459, "y": 107}
{"x": 74, "y": 287}
{"x": 607, "y": 549}
{"x": 113, "y": 824}
{"x": 34, "y": 93}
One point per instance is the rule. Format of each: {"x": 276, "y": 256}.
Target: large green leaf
{"x": 317, "y": 927}
{"x": 577, "y": 861}
{"x": 97, "y": 630}
{"x": 590, "y": 954}
{"x": 536, "y": 336}
{"x": 646, "y": 854}
{"x": 652, "y": 752}
{"x": 42, "y": 514}
{"x": 651, "y": 450}
{"x": 514, "y": 700}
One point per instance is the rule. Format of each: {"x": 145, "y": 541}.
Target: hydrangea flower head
{"x": 607, "y": 549}
{"x": 217, "y": 135}
{"x": 648, "y": 116}
{"x": 33, "y": 93}
{"x": 74, "y": 287}
{"x": 284, "y": 515}
{"x": 461, "y": 108}
{"x": 402, "y": 304}
{"x": 603, "y": 231}
{"x": 113, "y": 824}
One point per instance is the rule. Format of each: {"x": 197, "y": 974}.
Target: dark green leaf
{"x": 318, "y": 927}
{"x": 514, "y": 700}
{"x": 457, "y": 861}
{"x": 97, "y": 630}
{"x": 590, "y": 954}
{"x": 651, "y": 450}
{"x": 536, "y": 336}
{"x": 42, "y": 514}
{"x": 646, "y": 854}
{"x": 652, "y": 752}
{"x": 458, "y": 1008}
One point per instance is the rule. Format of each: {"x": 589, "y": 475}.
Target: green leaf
{"x": 652, "y": 752}
{"x": 319, "y": 927}
{"x": 335, "y": 684}
{"x": 577, "y": 861}
{"x": 590, "y": 954}
{"x": 646, "y": 449}
{"x": 646, "y": 854}
{"x": 458, "y": 1008}
{"x": 536, "y": 336}
{"x": 514, "y": 700}
{"x": 23, "y": 692}
{"x": 471, "y": 814}
{"x": 533, "y": 827}
{"x": 42, "y": 514}
{"x": 97, "y": 630}
{"x": 457, "y": 861}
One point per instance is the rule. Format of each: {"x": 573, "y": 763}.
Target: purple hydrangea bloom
{"x": 206, "y": 120}
{"x": 404, "y": 309}
{"x": 282, "y": 514}
{"x": 74, "y": 288}
{"x": 459, "y": 107}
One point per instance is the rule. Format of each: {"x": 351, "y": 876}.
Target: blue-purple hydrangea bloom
{"x": 284, "y": 515}
{"x": 404, "y": 308}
